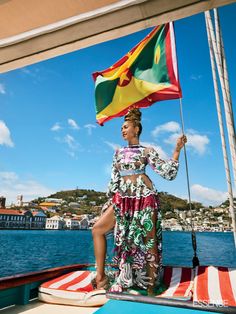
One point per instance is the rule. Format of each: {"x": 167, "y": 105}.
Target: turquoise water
{"x": 23, "y": 251}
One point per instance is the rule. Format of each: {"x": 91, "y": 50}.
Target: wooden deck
{"x": 37, "y": 307}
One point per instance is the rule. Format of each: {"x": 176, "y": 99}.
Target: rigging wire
{"x": 220, "y": 57}
{"x": 195, "y": 260}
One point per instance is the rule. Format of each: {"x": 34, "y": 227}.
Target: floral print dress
{"x": 138, "y": 219}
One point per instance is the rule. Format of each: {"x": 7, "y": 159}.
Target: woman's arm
{"x": 166, "y": 168}
{"x": 181, "y": 141}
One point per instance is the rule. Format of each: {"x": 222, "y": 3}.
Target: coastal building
{"x": 49, "y": 206}
{"x": 56, "y": 222}
{"x": 38, "y": 220}
{"x": 74, "y": 205}
{"x": 81, "y": 198}
{"x": 2, "y": 202}
{"x": 219, "y": 210}
{"x": 67, "y": 223}
{"x": 75, "y": 223}
{"x": 72, "y": 223}
{"x": 182, "y": 214}
{"x": 54, "y": 200}
{"x": 172, "y": 224}
{"x": 13, "y": 219}
{"x": 84, "y": 222}
{"x": 93, "y": 203}
{"x": 19, "y": 200}
{"x": 21, "y": 219}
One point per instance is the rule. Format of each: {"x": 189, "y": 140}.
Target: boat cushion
{"x": 179, "y": 283}
{"x": 74, "y": 288}
{"x": 215, "y": 285}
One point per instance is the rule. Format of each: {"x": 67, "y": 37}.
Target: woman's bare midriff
{"x": 145, "y": 178}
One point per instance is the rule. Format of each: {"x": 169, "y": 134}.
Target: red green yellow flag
{"x": 146, "y": 74}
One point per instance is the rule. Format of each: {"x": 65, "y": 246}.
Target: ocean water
{"x": 24, "y": 251}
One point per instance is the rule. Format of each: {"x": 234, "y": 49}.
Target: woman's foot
{"x": 151, "y": 291}
{"x": 116, "y": 288}
{"x": 100, "y": 282}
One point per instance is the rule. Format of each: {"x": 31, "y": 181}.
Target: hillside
{"x": 74, "y": 195}
{"x": 89, "y": 199}
{"x": 169, "y": 202}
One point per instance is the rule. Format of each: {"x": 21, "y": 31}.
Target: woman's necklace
{"x": 134, "y": 145}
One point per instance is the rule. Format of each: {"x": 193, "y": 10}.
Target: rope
{"x": 218, "y": 107}
{"x": 227, "y": 106}
{"x": 195, "y": 260}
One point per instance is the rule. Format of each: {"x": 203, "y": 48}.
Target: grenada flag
{"x": 146, "y": 74}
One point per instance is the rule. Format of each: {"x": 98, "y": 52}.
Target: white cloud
{"x": 5, "y": 135}
{"x": 70, "y": 141}
{"x": 56, "y": 127}
{"x": 196, "y": 142}
{"x": 171, "y": 126}
{"x": 2, "y": 89}
{"x": 73, "y": 124}
{"x": 207, "y": 195}
{"x": 89, "y": 127}
{"x": 112, "y": 145}
{"x": 158, "y": 148}
{"x": 11, "y": 186}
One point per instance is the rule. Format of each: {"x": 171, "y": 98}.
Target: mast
{"x": 216, "y": 47}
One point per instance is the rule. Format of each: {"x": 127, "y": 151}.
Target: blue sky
{"x": 49, "y": 139}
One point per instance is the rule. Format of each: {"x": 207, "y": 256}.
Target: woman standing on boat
{"x": 135, "y": 211}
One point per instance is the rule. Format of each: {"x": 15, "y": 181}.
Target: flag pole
{"x": 219, "y": 112}
{"x": 194, "y": 241}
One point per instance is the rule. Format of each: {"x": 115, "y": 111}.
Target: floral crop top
{"x": 133, "y": 160}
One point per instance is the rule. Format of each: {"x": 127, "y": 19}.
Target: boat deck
{"x": 37, "y": 307}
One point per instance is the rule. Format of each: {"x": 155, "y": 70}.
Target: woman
{"x": 135, "y": 211}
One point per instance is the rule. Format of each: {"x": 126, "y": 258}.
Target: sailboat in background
{"x": 47, "y": 29}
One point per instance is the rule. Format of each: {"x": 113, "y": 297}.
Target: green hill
{"x": 75, "y": 195}
{"x": 170, "y": 202}
{"x": 89, "y": 200}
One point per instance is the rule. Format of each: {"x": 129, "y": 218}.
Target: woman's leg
{"x": 101, "y": 227}
{"x": 153, "y": 258}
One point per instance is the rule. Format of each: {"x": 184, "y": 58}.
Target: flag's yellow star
{"x": 124, "y": 77}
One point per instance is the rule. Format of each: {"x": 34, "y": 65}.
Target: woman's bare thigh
{"x": 106, "y": 222}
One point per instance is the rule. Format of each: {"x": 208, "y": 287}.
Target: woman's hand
{"x": 181, "y": 141}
